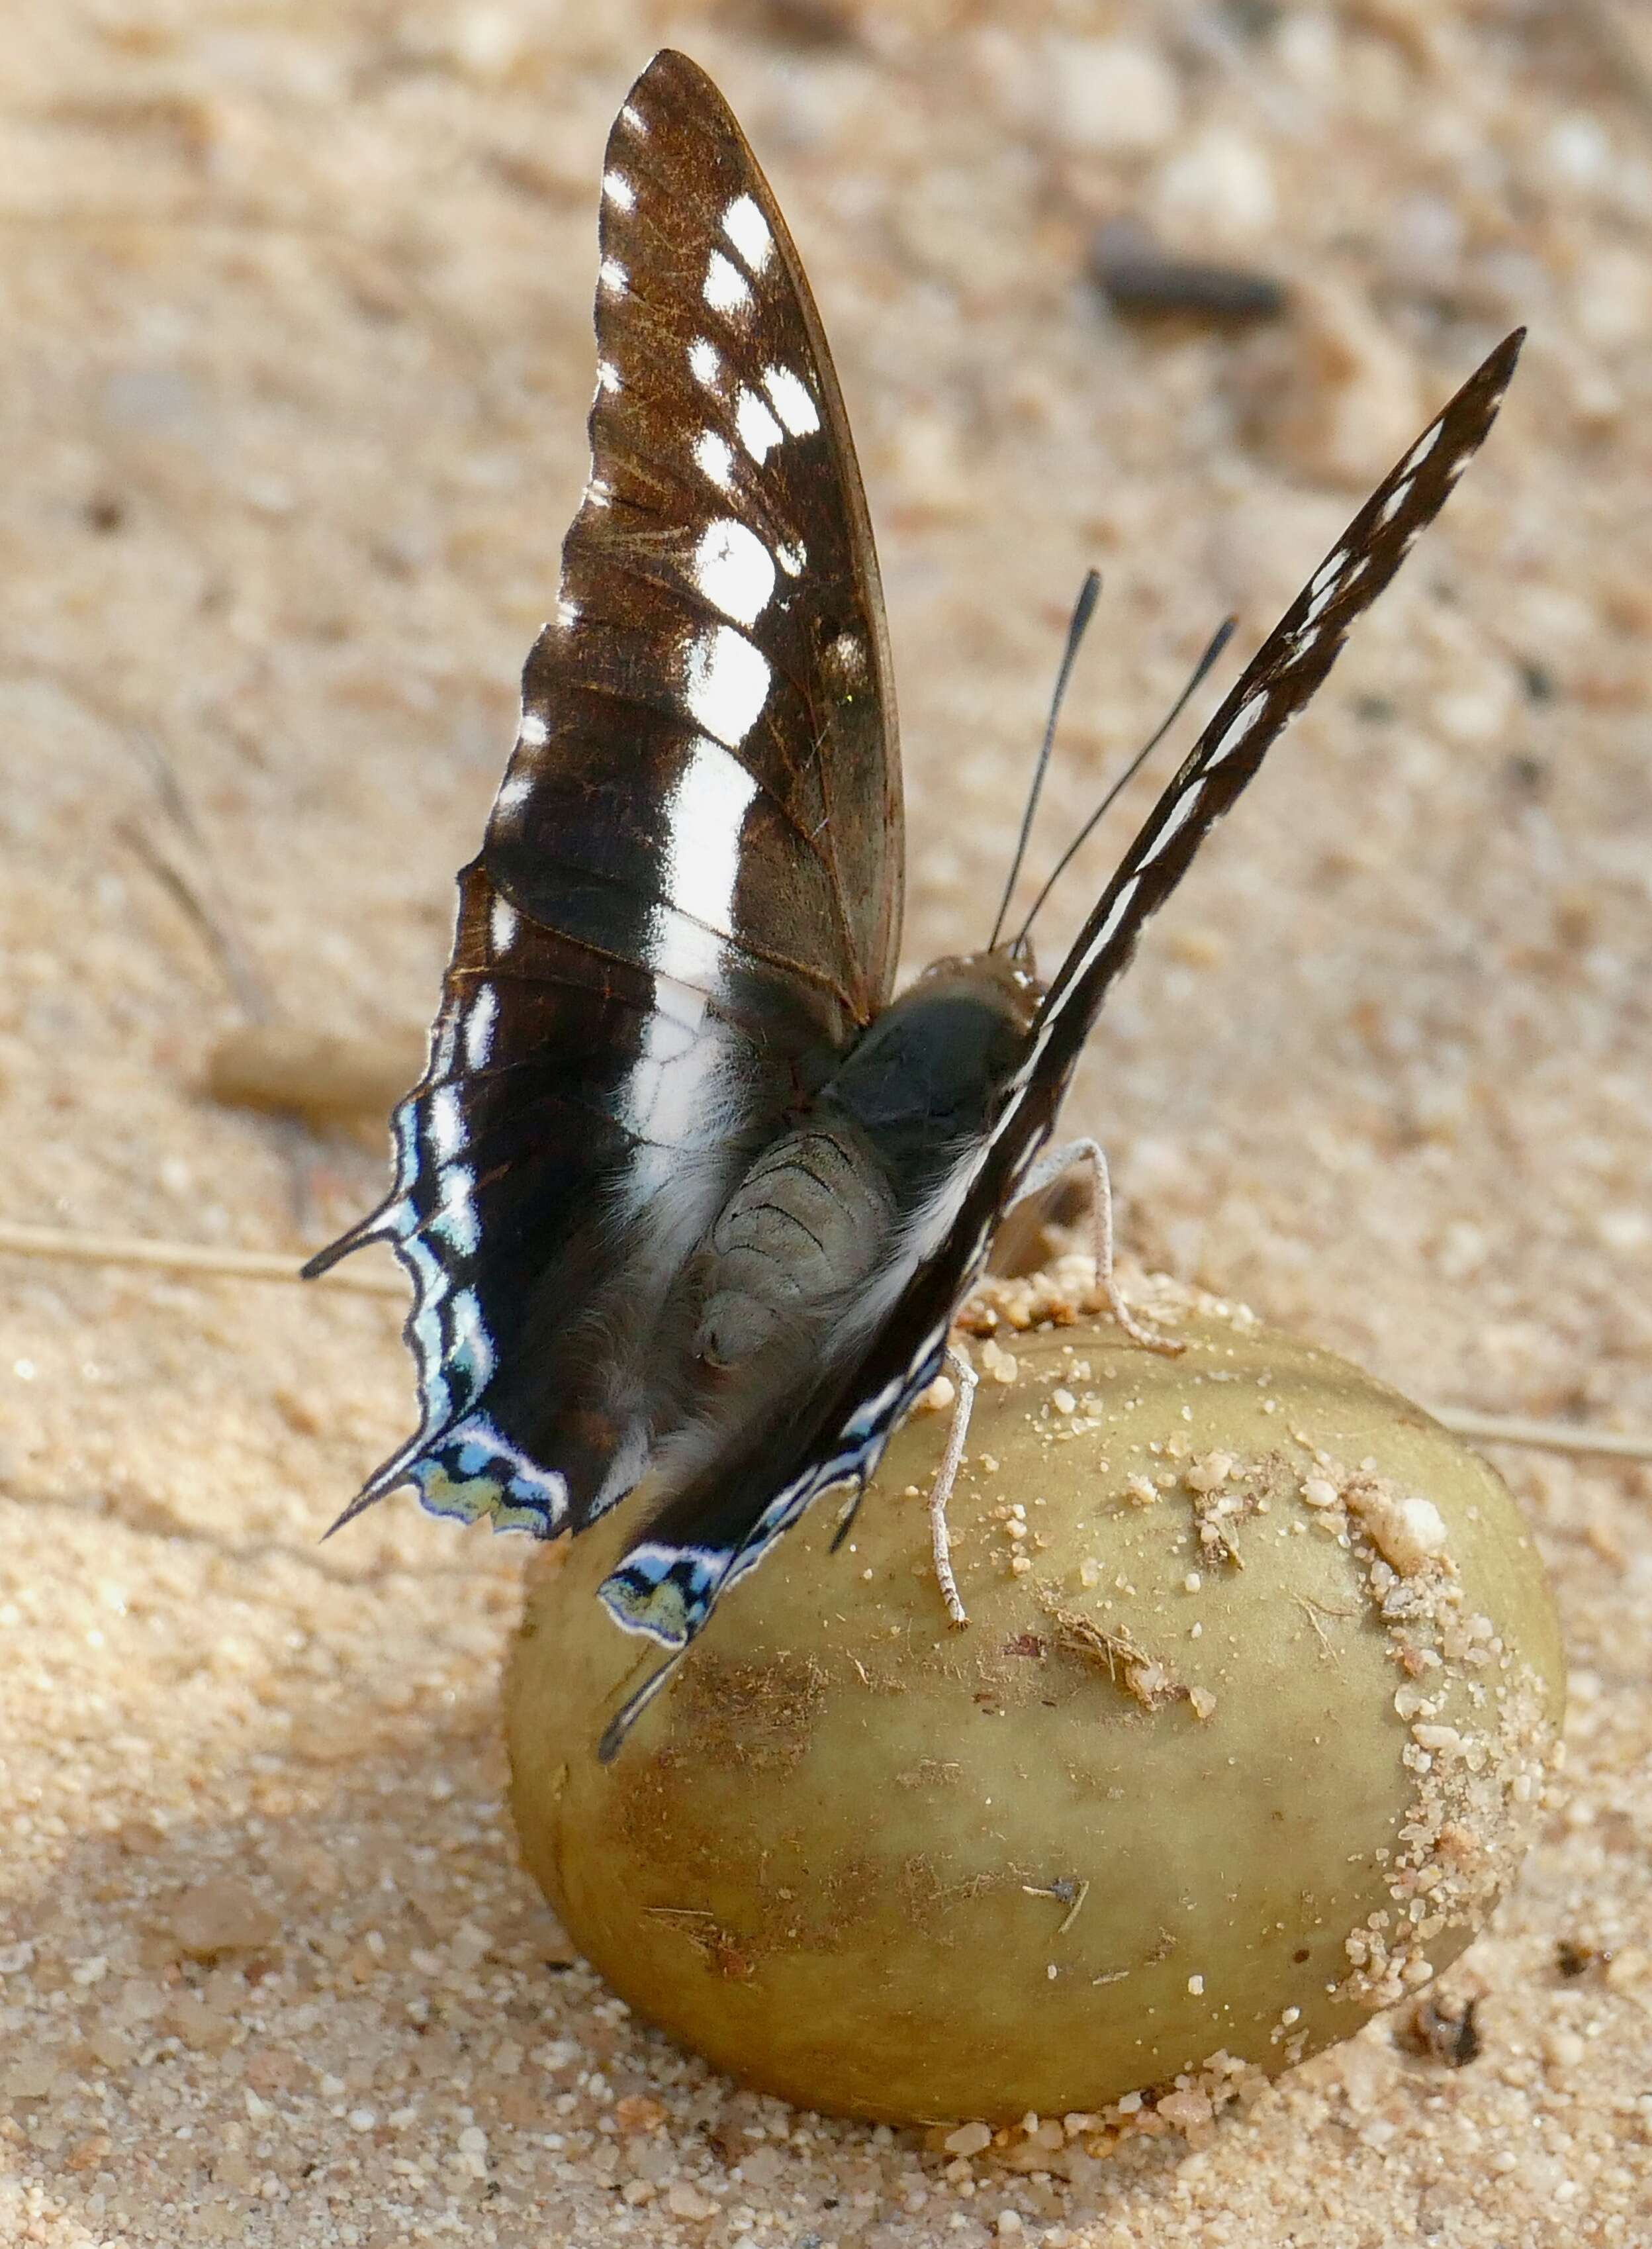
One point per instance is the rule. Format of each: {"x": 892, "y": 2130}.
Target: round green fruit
{"x": 1243, "y": 1738}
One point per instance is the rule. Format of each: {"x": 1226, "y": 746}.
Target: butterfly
{"x": 686, "y": 1191}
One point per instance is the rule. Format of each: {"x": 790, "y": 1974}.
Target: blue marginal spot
{"x": 474, "y": 1472}
{"x": 666, "y": 1592}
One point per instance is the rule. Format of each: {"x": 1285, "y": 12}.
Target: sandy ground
{"x": 297, "y": 353}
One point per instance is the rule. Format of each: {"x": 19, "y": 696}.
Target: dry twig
{"x": 201, "y": 1259}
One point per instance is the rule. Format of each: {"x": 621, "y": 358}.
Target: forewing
{"x": 688, "y": 898}
{"x": 710, "y": 1535}
{"x": 1273, "y": 688}
{"x": 720, "y": 609}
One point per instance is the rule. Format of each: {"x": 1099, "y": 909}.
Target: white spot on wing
{"x": 672, "y": 1094}
{"x": 846, "y": 660}
{"x": 790, "y": 400}
{"x": 791, "y": 559}
{"x": 633, "y": 118}
{"x": 481, "y": 1020}
{"x": 1105, "y": 935}
{"x": 533, "y": 731}
{"x": 1316, "y": 609}
{"x": 567, "y": 613}
{"x": 877, "y": 1407}
{"x": 501, "y": 924}
{"x": 429, "y": 1275}
{"x": 680, "y": 1003}
{"x": 619, "y": 191}
{"x": 1249, "y": 711}
{"x": 456, "y": 1220}
{"x": 704, "y": 815}
{"x": 608, "y": 377}
{"x": 444, "y": 1124}
{"x": 1330, "y": 569}
{"x": 612, "y": 277}
{"x": 726, "y": 683}
{"x": 726, "y": 288}
{"x": 1419, "y": 452}
{"x": 429, "y": 1341}
{"x": 514, "y": 792}
{"x": 1395, "y": 502}
{"x": 733, "y": 568}
{"x": 705, "y": 362}
{"x": 682, "y": 951}
{"x": 1181, "y": 813}
{"x": 470, "y": 1346}
{"x": 758, "y": 429}
{"x": 748, "y": 230}
{"x": 714, "y": 456}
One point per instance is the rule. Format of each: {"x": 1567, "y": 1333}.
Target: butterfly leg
{"x": 941, "y": 1490}
{"x": 1050, "y": 1168}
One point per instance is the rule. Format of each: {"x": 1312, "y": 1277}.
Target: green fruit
{"x": 1243, "y": 1739}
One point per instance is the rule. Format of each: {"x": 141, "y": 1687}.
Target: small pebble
{"x": 1111, "y": 96}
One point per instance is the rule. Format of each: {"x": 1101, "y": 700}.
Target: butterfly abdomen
{"x": 837, "y": 1200}
{"x": 807, "y": 1222}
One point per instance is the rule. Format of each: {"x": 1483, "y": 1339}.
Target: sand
{"x": 298, "y": 348}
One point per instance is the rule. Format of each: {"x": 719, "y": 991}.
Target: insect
{"x": 684, "y": 1190}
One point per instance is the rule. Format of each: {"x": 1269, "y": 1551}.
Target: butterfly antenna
{"x": 1083, "y": 611}
{"x": 1219, "y": 640}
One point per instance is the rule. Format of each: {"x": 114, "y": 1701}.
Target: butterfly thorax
{"x": 855, "y": 1188}
{"x": 929, "y": 1075}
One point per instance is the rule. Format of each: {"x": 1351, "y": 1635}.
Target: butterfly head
{"x": 1018, "y": 954}
{"x": 1002, "y": 982}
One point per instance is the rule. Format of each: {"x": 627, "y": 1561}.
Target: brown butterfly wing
{"x": 689, "y": 896}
